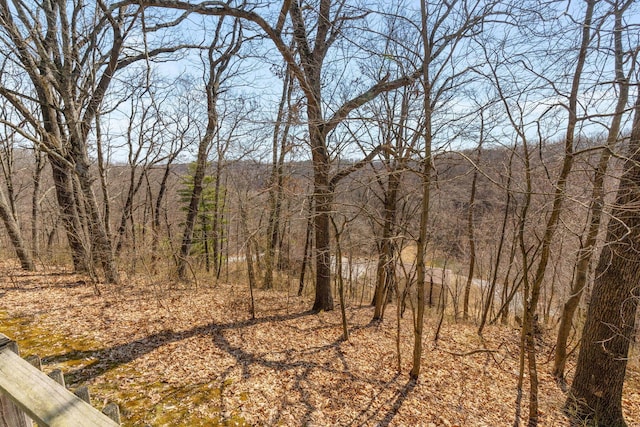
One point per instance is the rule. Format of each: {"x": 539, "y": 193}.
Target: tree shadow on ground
{"x": 401, "y": 396}
{"x": 25, "y": 284}
{"x": 301, "y": 364}
{"x": 109, "y": 358}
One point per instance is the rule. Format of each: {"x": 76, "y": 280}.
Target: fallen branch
{"x": 470, "y": 353}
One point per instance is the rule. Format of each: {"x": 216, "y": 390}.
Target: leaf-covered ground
{"x": 172, "y": 355}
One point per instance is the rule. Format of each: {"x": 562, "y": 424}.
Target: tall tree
{"x": 178, "y": 120}
{"x": 143, "y": 144}
{"x": 397, "y": 134}
{"x": 596, "y": 208}
{"x": 201, "y": 241}
{"x": 70, "y": 53}
{"x": 314, "y": 34}
{"x": 501, "y": 241}
{"x": 40, "y": 163}
{"x": 532, "y": 295}
{"x": 315, "y": 30}
{"x": 443, "y": 28}
{"x": 8, "y": 212}
{"x": 225, "y": 45}
{"x": 596, "y": 390}
{"x": 397, "y": 120}
{"x": 533, "y": 275}
{"x": 281, "y": 130}
{"x": 471, "y": 235}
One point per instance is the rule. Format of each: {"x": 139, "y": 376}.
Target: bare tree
{"x": 143, "y": 139}
{"x": 340, "y": 274}
{"x": 180, "y": 123}
{"x": 315, "y": 31}
{"x": 221, "y": 53}
{"x": 611, "y": 316}
{"x": 501, "y": 241}
{"x": 394, "y": 124}
{"x": 8, "y": 212}
{"x": 285, "y": 115}
{"x": 585, "y": 254}
{"x": 40, "y": 164}
{"x": 471, "y": 227}
{"x": 13, "y": 229}
{"x": 443, "y": 28}
{"x": 248, "y": 254}
{"x": 307, "y": 245}
{"x": 70, "y": 54}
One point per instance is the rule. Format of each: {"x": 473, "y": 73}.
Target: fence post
{"x": 58, "y": 377}
{"x": 10, "y": 414}
{"x": 83, "y": 393}
{"x": 112, "y": 411}
{"x": 35, "y": 361}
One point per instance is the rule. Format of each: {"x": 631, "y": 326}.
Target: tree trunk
{"x": 194, "y": 203}
{"x": 394, "y": 134}
{"x": 155, "y": 238}
{"x": 596, "y": 391}
{"x": 276, "y": 180}
{"x": 526, "y": 347}
{"x": 418, "y": 318}
{"x": 496, "y": 268}
{"x": 216, "y": 222}
{"x": 102, "y": 173}
{"x": 307, "y": 245}
{"x": 323, "y": 198}
{"x": 472, "y": 245}
{"x": 220, "y": 236}
{"x": 532, "y": 298}
{"x": 248, "y": 257}
{"x": 420, "y": 262}
{"x": 100, "y": 241}
{"x": 585, "y": 253}
{"x": 204, "y": 228}
{"x": 26, "y": 261}
{"x": 385, "y": 268}
{"x": 127, "y": 210}
{"x": 35, "y": 203}
{"x": 340, "y": 279}
{"x": 216, "y": 69}
{"x": 62, "y": 179}
{"x": 8, "y": 172}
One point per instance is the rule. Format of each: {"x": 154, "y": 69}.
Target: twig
{"x": 472, "y": 352}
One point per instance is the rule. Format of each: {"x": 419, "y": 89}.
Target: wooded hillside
{"x": 411, "y": 189}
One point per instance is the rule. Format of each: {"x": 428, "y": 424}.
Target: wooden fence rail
{"x": 28, "y": 394}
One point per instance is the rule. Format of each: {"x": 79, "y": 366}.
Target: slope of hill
{"x": 175, "y": 356}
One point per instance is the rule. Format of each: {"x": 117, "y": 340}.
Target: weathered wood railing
{"x": 27, "y": 394}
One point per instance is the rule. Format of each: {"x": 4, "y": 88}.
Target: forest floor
{"x": 171, "y": 355}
